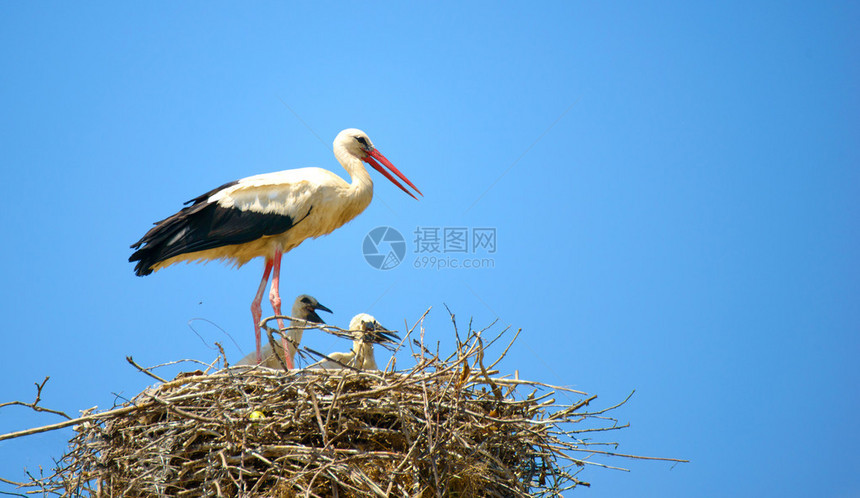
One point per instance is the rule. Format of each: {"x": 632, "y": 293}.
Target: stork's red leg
{"x": 256, "y": 310}
{"x": 275, "y": 299}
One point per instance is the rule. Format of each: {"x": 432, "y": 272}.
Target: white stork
{"x": 305, "y": 312}
{"x": 367, "y": 332}
{"x": 266, "y": 216}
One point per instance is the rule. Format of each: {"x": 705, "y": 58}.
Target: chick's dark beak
{"x": 314, "y": 317}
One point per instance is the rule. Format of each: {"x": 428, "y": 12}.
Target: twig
{"x": 67, "y": 423}
{"x": 34, "y": 404}
{"x": 144, "y": 370}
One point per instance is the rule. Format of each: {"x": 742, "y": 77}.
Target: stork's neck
{"x": 361, "y": 185}
{"x": 364, "y": 355}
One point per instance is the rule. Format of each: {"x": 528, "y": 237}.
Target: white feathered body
{"x": 361, "y": 357}
{"x": 266, "y": 215}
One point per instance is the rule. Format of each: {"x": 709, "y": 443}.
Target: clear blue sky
{"x": 674, "y": 186}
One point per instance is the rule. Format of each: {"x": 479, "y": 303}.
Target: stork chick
{"x": 305, "y": 310}
{"x": 367, "y": 332}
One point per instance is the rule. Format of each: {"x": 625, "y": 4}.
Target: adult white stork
{"x": 366, "y": 332}
{"x": 305, "y": 313}
{"x": 266, "y": 216}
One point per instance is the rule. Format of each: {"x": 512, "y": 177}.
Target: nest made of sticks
{"x": 446, "y": 427}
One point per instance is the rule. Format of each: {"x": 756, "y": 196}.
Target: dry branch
{"x": 34, "y": 404}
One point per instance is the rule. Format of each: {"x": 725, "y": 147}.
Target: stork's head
{"x": 366, "y": 329}
{"x": 358, "y": 144}
{"x": 306, "y": 308}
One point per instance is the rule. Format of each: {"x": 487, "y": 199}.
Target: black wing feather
{"x": 201, "y": 226}
{"x": 203, "y": 197}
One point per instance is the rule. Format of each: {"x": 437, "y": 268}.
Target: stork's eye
{"x": 306, "y": 300}
{"x": 362, "y": 141}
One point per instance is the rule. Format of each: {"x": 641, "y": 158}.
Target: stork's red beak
{"x": 374, "y": 154}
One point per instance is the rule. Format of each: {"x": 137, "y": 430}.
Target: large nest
{"x": 446, "y": 427}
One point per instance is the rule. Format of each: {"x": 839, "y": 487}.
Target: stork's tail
{"x": 166, "y": 239}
